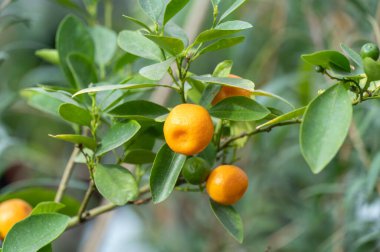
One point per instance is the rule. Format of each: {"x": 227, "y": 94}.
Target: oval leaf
{"x": 115, "y": 183}
{"x": 35, "y": 232}
{"x": 328, "y": 59}
{"x": 325, "y": 126}
{"x": 47, "y": 207}
{"x": 239, "y": 108}
{"x": 152, "y": 8}
{"x": 172, "y": 45}
{"x": 77, "y": 139}
{"x": 230, "y": 220}
{"x": 172, "y": 8}
{"x": 165, "y": 171}
{"x": 222, "y": 44}
{"x": 139, "y": 109}
{"x": 75, "y": 114}
{"x": 105, "y": 44}
{"x": 156, "y": 71}
{"x": 232, "y": 82}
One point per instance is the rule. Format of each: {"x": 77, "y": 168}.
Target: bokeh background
{"x": 286, "y": 208}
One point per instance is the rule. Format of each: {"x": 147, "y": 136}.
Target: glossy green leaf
{"x": 82, "y": 69}
{"x": 285, "y": 117}
{"x": 35, "y": 232}
{"x": 105, "y": 44}
{"x": 75, "y": 114}
{"x": 172, "y": 8}
{"x": 118, "y": 135}
{"x": 222, "y": 44}
{"x": 236, "y": 4}
{"x": 172, "y": 45}
{"x": 165, "y": 171}
{"x": 223, "y": 69}
{"x": 77, "y": 139}
{"x": 152, "y": 8}
{"x": 139, "y": 109}
{"x": 139, "y": 156}
{"x": 239, "y": 108}
{"x": 328, "y": 59}
{"x": 156, "y": 71}
{"x": 232, "y": 82}
{"x": 137, "y": 44}
{"x": 230, "y": 220}
{"x": 352, "y": 54}
{"x": 73, "y": 37}
{"x": 115, "y": 183}
{"x": 47, "y": 207}
{"x": 49, "y": 55}
{"x": 138, "y": 22}
{"x": 115, "y": 87}
{"x": 268, "y": 94}
{"x": 371, "y": 69}
{"x": 325, "y": 126}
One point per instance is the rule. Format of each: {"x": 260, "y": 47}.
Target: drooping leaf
{"x": 328, "y": 59}
{"x": 139, "y": 109}
{"x": 47, "y": 207}
{"x": 105, "y": 44}
{"x": 239, "y": 108}
{"x": 77, "y": 139}
{"x": 115, "y": 183}
{"x": 153, "y": 8}
{"x": 230, "y": 220}
{"x": 285, "y": 117}
{"x": 170, "y": 44}
{"x": 236, "y": 4}
{"x": 324, "y": 127}
{"x": 118, "y": 135}
{"x": 156, "y": 71}
{"x": 75, "y": 114}
{"x": 165, "y": 171}
{"x": 35, "y": 232}
{"x": 172, "y": 8}
{"x": 222, "y": 44}
{"x": 232, "y": 82}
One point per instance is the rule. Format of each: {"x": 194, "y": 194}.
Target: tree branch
{"x": 86, "y": 199}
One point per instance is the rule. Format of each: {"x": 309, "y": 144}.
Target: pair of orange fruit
{"x": 188, "y": 130}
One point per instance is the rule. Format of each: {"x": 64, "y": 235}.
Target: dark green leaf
{"x": 75, "y": 114}
{"x": 137, "y": 44}
{"x": 232, "y": 82}
{"x": 49, "y": 55}
{"x": 77, "y": 139}
{"x": 325, "y": 126}
{"x": 118, "y": 135}
{"x": 152, "y": 8}
{"x": 222, "y": 44}
{"x": 82, "y": 69}
{"x": 239, "y": 108}
{"x": 47, "y": 248}
{"x": 172, "y": 8}
{"x": 47, "y": 207}
{"x": 328, "y": 60}
{"x": 35, "y": 232}
{"x": 139, "y": 156}
{"x": 156, "y": 71}
{"x": 371, "y": 69}
{"x": 230, "y": 220}
{"x": 236, "y": 4}
{"x": 288, "y": 116}
{"x": 172, "y": 45}
{"x": 165, "y": 171}
{"x": 105, "y": 44}
{"x": 139, "y": 109}
{"x": 223, "y": 69}
{"x": 115, "y": 183}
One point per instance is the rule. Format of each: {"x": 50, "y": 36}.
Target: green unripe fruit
{"x": 370, "y": 50}
{"x": 196, "y": 170}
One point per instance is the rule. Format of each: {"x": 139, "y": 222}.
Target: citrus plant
{"x": 138, "y": 151}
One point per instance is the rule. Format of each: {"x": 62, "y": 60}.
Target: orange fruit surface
{"x": 188, "y": 129}
{"x": 11, "y": 212}
{"x": 227, "y": 184}
{"x": 227, "y": 91}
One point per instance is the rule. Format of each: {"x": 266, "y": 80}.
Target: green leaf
{"x": 77, "y": 139}
{"x": 139, "y": 156}
{"x": 209, "y": 94}
{"x": 47, "y": 207}
{"x": 353, "y": 55}
{"x": 232, "y": 82}
{"x": 268, "y": 94}
{"x": 139, "y": 109}
{"x": 236, "y": 4}
{"x": 137, "y": 44}
{"x": 172, "y": 8}
{"x": 35, "y": 232}
{"x": 371, "y": 69}
{"x": 230, "y": 220}
{"x": 328, "y": 60}
{"x": 165, "y": 171}
{"x": 288, "y": 116}
{"x": 221, "y": 30}
{"x": 173, "y": 30}
{"x": 49, "y": 55}
{"x": 73, "y": 37}
{"x": 138, "y": 22}
{"x": 324, "y": 127}
{"x": 172, "y": 45}
{"x": 105, "y": 44}
{"x": 115, "y": 183}
{"x": 115, "y": 87}
{"x": 152, "y": 8}
{"x": 82, "y": 69}
{"x": 239, "y": 108}
{"x": 75, "y": 114}
{"x": 222, "y": 44}
{"x": 223, "y": 69}
{"x": 117, "y": 135}
{"x": 156, "y": 71}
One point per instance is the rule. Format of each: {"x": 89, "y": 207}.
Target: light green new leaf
{"x": 288, "y": 116}
{"x": 49, "y": 55}
{"x": 172, "y": 8}
{"x": 156, "y": 71}
{"x": 152, "y": 8}
{"x": 115, "y": 183}
{"x": 139, "y": 109}
{"x": 239, "y": 108}
{"x": 230, "y": 220}
{"x": 222, "y": 44}
{"x": 105, "y": 44}
{"x": 329, "y": 60}
{"x": 232, "y": 82}
{"x": 82, "y": 69}
{"x": 75, "y": 114}
{"x": 117, "y": 135}
{"x": 165, "y": 171}
{"x": 77, "y": 139}
{"x": 137, "y": 44}
{"x": 236, "y": 4}
{"x": 47, "y": 207}
{"x": 35, "y": 232}
{"x": 325, "y": 126}
{"x": 172, "y": 45}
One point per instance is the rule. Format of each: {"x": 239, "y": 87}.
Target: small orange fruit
{"x": 11, "y": 212}
{"x": 227, "y": 184}
{"x": 227, "y": 91}
{"x": 188, "y": 129}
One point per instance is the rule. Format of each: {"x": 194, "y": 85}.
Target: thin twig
{"x": 86, "y": 199}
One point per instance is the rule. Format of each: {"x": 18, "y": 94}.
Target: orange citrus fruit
{"x": 188, "y": 129}
{"x": 11, "y": 212}
{"x": 227, "y": 91}
{"x": 227, "y": 184}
